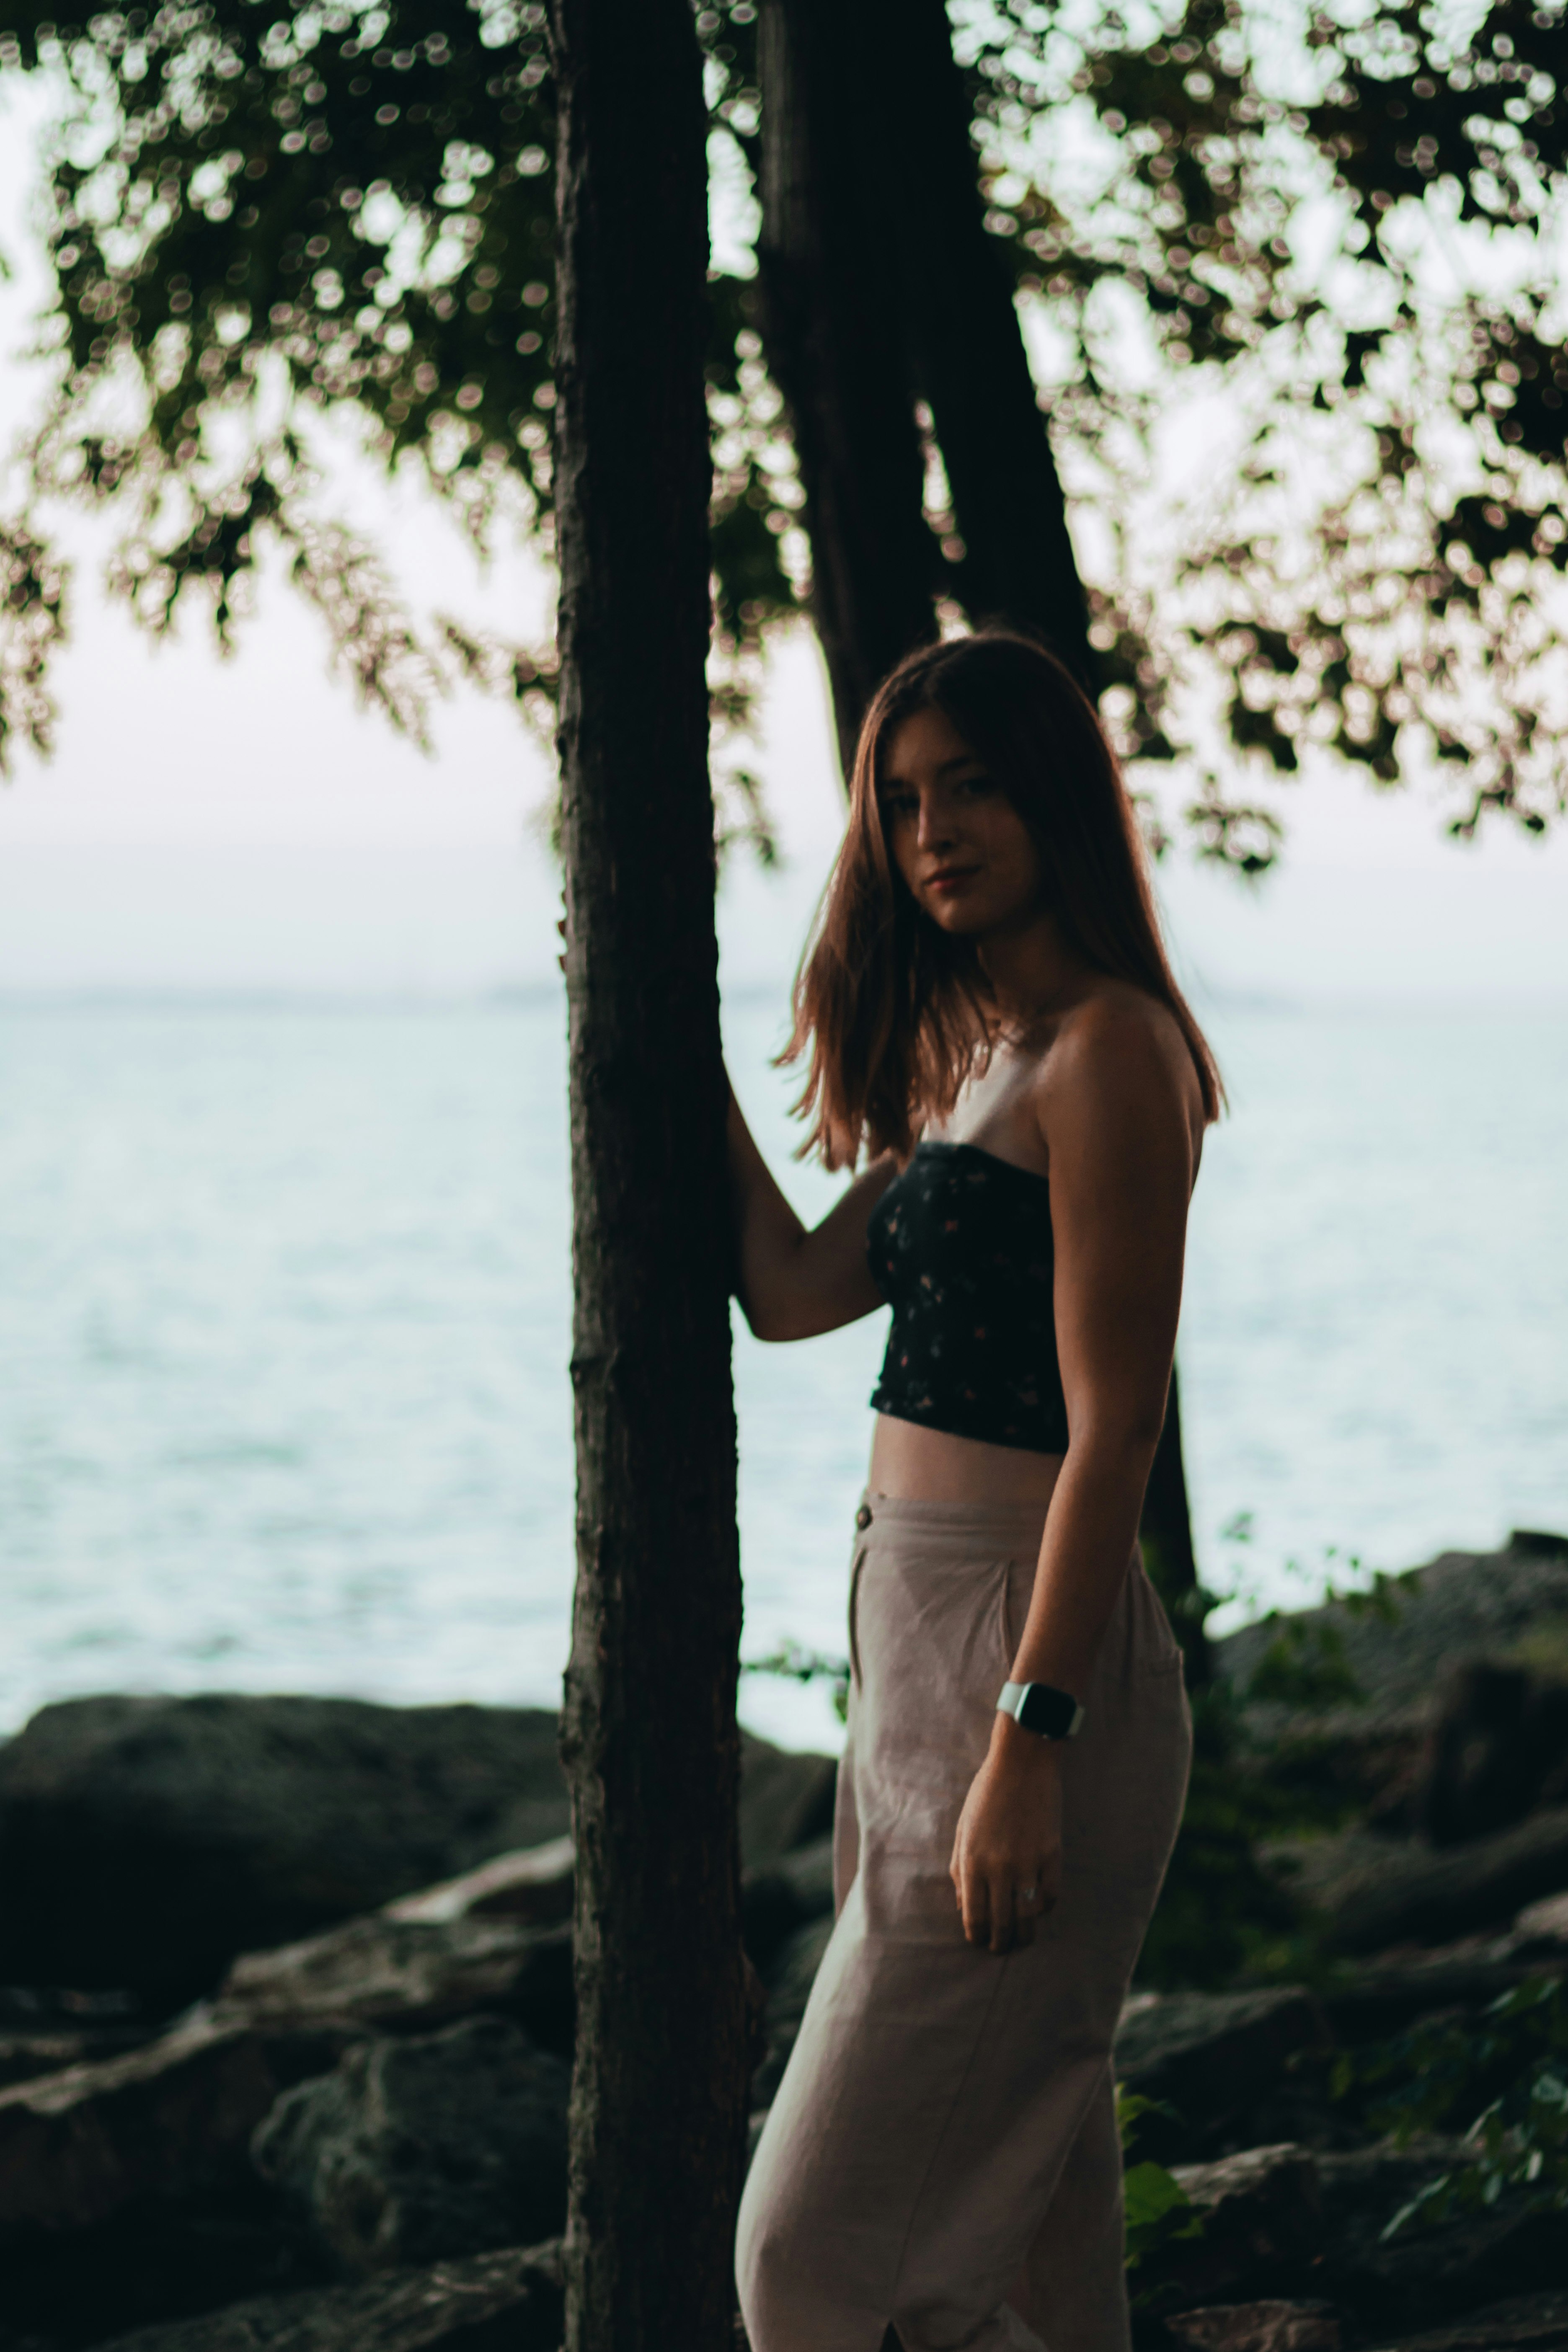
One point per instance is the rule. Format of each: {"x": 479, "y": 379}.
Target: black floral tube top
{"x": 960, "y": 1246}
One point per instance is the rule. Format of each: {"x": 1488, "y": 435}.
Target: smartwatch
{"x": 1039, "y": 1708}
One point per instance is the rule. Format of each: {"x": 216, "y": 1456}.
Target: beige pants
{"x": 943, "y": 2151}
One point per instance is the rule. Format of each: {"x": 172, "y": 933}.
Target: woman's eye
{"x": 972, "y": 788}
{"x": 896, "y": 805}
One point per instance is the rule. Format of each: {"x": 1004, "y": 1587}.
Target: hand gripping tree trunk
{"x": 648, "y": 1729}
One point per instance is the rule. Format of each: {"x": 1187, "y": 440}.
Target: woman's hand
{"x": 1007, "y": 1867}
{"x": 793, "y": 1283}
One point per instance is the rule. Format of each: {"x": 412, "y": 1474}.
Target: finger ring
{"x": 1027, "y": 1894}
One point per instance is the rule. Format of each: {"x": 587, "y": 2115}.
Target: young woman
{"x": 989, "y": 1018}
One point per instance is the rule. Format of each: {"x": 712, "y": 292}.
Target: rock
{"x": 1262, "y": 2221}
{"x": 126, "y": 2190}
{"x": 422, "y": 2149}
{"x": 788, "y": 1983}
{"x": 506, "y": 2301}
{"x": 156, "y": 2260}
{"x": 535, "y": 1886}
{"x": 168, "y": 2121}
{"x": 24, "y": 2057}
{"x": 1372, "y": 1747}
{"x": 1497, "y": 1749}
{"x": 786, "y": 1799}
{"x": 145, "y": 1842}
{"x": 1411, "y": 1894}
{"x": 1542, "y": 1927}
{"x": 1423, "y": 2277}
{"x": 407, "y": 1975}
{"x": 1390, "y": 1990}
{"x": 1209, "y": 2055}
{"x": 1526, "y": 2323}
{"x": 1260, "y": 2327}
{"x": 789, "y": 1893}
{"x": 1460, "y": 1605}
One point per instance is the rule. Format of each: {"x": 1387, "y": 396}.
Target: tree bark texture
{"x": 648, "y": 1734}
{"x": 969, "y": 357}
{"x": 834, "y": 332}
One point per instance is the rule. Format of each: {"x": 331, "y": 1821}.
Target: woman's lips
{"x": 952, "y": 877}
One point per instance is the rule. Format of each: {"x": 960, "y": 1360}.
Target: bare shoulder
{"x": 1120, "y": 1057}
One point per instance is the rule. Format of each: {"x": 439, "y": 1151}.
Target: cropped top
{"x": 960, "y": 1246}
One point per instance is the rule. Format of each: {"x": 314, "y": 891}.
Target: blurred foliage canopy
{"x": 1346, "y": 221}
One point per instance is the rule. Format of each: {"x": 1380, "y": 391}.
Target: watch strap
{"x": 1037, "y": 1708}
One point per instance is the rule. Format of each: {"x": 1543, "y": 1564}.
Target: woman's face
{"x": 968, "y": 857}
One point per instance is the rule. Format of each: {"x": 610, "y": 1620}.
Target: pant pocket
{"x": 855, "y": 1566}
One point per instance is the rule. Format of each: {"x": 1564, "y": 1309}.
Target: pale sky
{"x": 208, "y": 824}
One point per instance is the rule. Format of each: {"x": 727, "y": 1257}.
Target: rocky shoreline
{"x": 285, "y": 2048}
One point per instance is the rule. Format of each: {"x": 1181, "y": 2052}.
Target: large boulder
{"x": 507, "y": 2301}
{"x": 534, "y": 1885}
{"x": 145, "y": 1842}
{"x": 1459, "y": 1606}
{"x": 1210, "y": 2058}
{"x": 161, "y": 2122}
{"x": 787, "y": 1983}
{"x": 780, "y": 1896}
{"x": 1499, "y": 1748}
{"x": 1424, "y": 2277}
{"x": 787, "y": 1799}
{"x": 153, "y": 2261}
{"x": 126, "y": 2189}
{"x": 1371, "y": 1893}
{"x": 1376, "y": 1746}
{"x": 1260, "y": 2327}
{"x": 1389, "y": 1993}
{"x": 1524, "y": 2323}
{"x": 396, "y": 1975}
{"x": 420, "y": 2149}
{"x": 49, "y": 2050}
{"x": 1262, "y": 2224}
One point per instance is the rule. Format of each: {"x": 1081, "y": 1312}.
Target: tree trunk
{"x": 649, "y": 1735}
{"x": 835, "y": 340}
{"x": 969, "y": 356}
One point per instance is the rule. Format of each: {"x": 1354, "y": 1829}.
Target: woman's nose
{"x": 933, "y": 828}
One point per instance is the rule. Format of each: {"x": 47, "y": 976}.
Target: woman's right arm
{"x": 792, "y": 1283}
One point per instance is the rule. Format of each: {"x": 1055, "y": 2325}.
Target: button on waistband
{"x": 863, "y": 1516}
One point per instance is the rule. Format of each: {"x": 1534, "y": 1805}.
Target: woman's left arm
{"x": 1117, "y": 1104}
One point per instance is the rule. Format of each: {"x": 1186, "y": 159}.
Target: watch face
{"x": 1048, "y": 1712}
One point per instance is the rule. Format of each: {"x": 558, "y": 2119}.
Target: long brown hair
{"x": 893, "y": 1013}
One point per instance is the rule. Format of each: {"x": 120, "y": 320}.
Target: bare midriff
{"x": 913, "y": 1464}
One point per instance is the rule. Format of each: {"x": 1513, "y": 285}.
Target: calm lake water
{"x": 284, "y": 1318}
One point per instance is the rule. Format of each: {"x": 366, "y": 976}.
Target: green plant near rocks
{"x": 793, "y": 1662}
{"x": 1222, "y": 1912}
{"x": 1157, "y": 2209}
{"x": 1508, "y": 2072}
